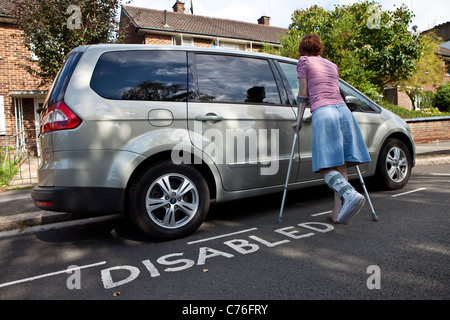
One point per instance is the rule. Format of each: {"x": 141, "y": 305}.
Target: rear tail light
{"x": 58, "y": 117}
{"x": 43, "y": 203}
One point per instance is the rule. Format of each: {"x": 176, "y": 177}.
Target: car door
{"x": 239, "y": 119}
{"x": 304, "y": 142}
{"x": 363, "y": 110}
{"x": 355, "y": 100}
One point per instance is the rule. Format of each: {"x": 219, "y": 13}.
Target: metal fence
{"x": 18, "y": 167}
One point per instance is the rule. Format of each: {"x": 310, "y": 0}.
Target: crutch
{"x": 290, "y": 162}
{"x": 374, "y": 215}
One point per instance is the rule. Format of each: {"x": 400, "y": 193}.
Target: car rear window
{"x": 62, "y": 79}
{"x": 141, "y": 75}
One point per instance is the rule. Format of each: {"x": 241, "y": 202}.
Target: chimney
{"x": 178, "y": 7}
{"x": 264, "y": 20}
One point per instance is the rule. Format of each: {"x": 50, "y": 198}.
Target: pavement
{"x": 19, "y": 215}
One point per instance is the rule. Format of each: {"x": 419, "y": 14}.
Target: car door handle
{"x": 209, "y": 118}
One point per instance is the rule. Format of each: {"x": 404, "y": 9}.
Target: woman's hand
{"x": 294, "y": 125}
{"x": 307, "y": 119}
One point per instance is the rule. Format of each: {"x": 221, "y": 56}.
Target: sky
{"x": 428, "y": 13}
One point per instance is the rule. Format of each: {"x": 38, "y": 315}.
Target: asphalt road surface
{"x": 241, "y": 253}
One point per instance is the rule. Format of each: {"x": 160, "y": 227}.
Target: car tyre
{"x": 169, "y": 201}
{"x": 394, "y": 164}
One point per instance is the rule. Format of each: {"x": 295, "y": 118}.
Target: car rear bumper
{"x": 77, "y": 199}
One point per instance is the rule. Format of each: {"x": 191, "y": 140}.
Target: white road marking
{"x": 222, "y": 236}
{"x": 50, "y": 274}
{"x": 241, "y": 246}
{"x": 408, "y": 192}
{"x": 321, "y": 213}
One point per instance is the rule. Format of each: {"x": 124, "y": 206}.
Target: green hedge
{"x": 442, "y": 98}
{"x": 412, "y": 114}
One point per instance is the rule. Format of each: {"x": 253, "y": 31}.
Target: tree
{"x": 371, "y": 47}
{"x": 429, "y": 70}
{"x": 52, "y": 28}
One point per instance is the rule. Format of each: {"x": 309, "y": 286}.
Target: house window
{"x": 188, "y": 42}
{"x": 180, "y": 40}
{"x": 447, "y": 68}
{"x": 230, "y": 45}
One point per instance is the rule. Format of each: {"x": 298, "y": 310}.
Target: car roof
{"x": 144, "y": 47}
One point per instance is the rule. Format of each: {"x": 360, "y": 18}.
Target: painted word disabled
{"x": 174, "y": 262}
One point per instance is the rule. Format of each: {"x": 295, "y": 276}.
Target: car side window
{"x": 354, "y": 99}
{"x": 290, "y": 71}
{"x": 141, "y": 75}
{"x": 223, "y": 78}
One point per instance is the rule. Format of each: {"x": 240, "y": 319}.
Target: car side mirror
{"x": 352, "y": 103}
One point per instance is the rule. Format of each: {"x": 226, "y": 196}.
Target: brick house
{"x": 157, "y": 27}
{"x": 443, "y": 32}
{"x": 20, "y": 93}
{"x": 396, "y": 95}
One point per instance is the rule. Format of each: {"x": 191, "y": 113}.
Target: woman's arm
{"x": 302, "y": 92}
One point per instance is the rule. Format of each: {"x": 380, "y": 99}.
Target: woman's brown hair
{"x": 311, "y": 45}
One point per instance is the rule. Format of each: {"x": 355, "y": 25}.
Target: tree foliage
{"x": 371, "y": 47}
{"x": 429, "y": 70}
{"x": 52, "y": 28}
{"x": 442, "y": 98}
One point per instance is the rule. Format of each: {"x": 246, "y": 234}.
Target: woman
{"x": 336, "y": 140}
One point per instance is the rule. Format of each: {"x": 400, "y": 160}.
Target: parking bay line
{"x": 320, "y": 213}
{"x": 222, "y": 236}
{"x": 50, "y": 274}
{"x": 408, "y": 192}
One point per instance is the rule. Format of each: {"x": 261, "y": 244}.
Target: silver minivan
{"x": 160, "y": 133}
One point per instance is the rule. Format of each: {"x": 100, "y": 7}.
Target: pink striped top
{"x": 323, "y": 81}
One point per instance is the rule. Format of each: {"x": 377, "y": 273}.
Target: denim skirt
{"x": 336, "y": 138}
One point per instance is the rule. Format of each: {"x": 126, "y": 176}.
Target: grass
{"x": 8, "y": 171}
